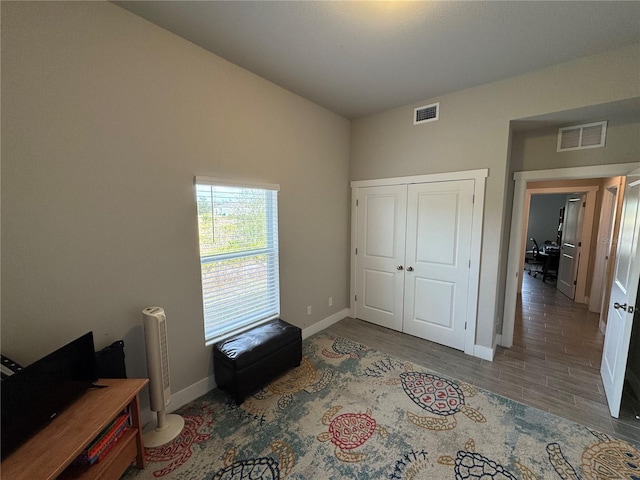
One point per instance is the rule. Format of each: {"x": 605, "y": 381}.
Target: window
{"x": 238, "y": 233}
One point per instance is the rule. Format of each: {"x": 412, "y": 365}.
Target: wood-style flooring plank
{"x": 554, "y": 364}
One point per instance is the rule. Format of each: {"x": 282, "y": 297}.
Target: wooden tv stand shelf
{"x": 48, "y": 454}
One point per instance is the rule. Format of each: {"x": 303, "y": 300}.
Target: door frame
{"x": 479, "y": 177}
{"x": 606, "y": 223}
{"x": 516, "y": 235}
{"x": 587, "y": 226}
{"x": 620, "y": 187}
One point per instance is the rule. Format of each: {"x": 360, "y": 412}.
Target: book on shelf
{"x": 104, "y": 442}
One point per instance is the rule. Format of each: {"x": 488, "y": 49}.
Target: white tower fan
{"x": 155, "y": 334}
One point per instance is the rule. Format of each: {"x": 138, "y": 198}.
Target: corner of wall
{"x": 486, "y": 353}
{"x": 327, "y": 322}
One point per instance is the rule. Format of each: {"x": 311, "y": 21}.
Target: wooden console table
{"x": 47, "y": 454}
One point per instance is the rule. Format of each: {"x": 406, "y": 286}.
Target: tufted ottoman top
{"x": 253, "y": 345}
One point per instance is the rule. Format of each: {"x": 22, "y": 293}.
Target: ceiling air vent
{"x": 578, "y": 137}
{"x": 427, "y": 113}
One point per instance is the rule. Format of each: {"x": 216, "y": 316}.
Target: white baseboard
{"x": 181, "y": 398}
{"x": 327, "y": 322}
{"x": 484, "y": 353}
{"x": 186, "y": 395}
{"x": 487, "y": 353}
{"x": 192, "y": 392}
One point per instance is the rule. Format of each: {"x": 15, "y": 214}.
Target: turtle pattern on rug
{"x": 180, "y": 450}
{"x": 440, "y": 396}
{"x": 349, "y": 431}
{"x": 343, "y": 346}
{"x": 264, "y": 468}
{"x": 349, "y": 411}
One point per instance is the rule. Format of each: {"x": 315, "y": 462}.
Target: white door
{"x": 622, "y": 302}
{"x": 380, "y": 246}
{"x": 570, "y": 248}
{"x": 439, "y": 221}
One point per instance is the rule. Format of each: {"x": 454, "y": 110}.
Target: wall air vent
{"x": 578, "y": 137}
{"x": 427, "y": 113}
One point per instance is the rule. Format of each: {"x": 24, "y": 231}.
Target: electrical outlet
{"x": 309, "y": 310}
{"x": 331, "y": 301}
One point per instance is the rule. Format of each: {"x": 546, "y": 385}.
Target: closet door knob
{"x": 399, "y": 267}
{"x": 409, "y": 269}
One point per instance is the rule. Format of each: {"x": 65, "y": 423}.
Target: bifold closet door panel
{"x": 381, "y": 227}
{"x": 438, "y": 249}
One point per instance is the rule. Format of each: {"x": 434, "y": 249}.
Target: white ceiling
{"x": 360, "y": 57}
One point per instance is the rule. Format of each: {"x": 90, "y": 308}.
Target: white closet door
{"x": 380, "y": 254}
{"x": 438, "y": 249}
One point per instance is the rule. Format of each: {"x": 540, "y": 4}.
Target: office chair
{"x": 533, "y": 260}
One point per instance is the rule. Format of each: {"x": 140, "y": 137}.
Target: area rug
{"x": 349, "y": 412}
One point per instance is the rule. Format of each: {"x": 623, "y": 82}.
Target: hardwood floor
{"x": 554, "y": 364}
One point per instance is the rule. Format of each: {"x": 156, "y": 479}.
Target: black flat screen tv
{"x": 35, "y": 395}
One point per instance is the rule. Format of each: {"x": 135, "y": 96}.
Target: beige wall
{"x": 543, "y": 218}
{"x": 537, "y": 150}
{"x": 106, "y": 119}
{"x": 473, "y": 132}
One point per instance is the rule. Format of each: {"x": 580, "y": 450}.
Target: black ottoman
{"x": 248, "y": 361}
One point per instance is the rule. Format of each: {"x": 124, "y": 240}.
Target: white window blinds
{"x": 238, "y": 232}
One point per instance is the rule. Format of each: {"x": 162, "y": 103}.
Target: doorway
{"x": 533, "y": 189}
{"x": 544, "y": 235}
{"x": 389, "y": 276}
{"x": 515, "y": 259}
{"x": 410, "y": 276}
{"x": 517, "y": 240}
